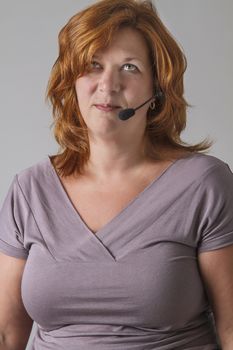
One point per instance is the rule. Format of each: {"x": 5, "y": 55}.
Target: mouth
{"x": 106, "y": 107}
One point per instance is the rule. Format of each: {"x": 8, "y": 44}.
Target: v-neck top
{"x": 135, "y": 283}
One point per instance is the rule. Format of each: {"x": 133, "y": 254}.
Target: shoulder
{"x": 199, "y": 166}
{"x": 210, "y": 181}
{"x": 197, "y": 173}
{"x": 34, "y": 175}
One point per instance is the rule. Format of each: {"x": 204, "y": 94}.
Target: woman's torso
{"x": 134, "y": 284}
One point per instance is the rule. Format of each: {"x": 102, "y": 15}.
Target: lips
{"x": 106, "y": 107}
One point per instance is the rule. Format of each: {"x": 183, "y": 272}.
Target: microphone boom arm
{"x": 143, "y": 103}
{"x": 125, "y": 114}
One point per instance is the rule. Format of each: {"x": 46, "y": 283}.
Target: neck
{"x": 115, "y": 159}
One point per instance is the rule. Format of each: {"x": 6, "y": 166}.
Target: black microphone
{"x": 125, "y": 114}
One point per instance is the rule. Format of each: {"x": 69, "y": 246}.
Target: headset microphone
{"x": 125, "y": 114}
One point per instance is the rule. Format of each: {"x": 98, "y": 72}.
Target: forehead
{"x": 127, "y": 42}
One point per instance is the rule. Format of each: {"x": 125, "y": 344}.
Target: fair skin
{"x": 121, "y": 76}
{"x": 216, "y": 268}
{"x": 15, "y": 323}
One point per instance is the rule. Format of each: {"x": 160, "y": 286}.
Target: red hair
{"x": 93, "y": 29}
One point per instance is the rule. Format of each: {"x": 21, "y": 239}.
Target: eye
{"x": 94, "y": 65}
{"x": 130, "y": 67}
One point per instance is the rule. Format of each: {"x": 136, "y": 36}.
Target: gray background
{"x": 28, "y": 34}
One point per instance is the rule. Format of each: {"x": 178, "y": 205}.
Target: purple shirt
{"x": 135, "y": 284}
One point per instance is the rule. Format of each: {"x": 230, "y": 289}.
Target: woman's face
{"x": 120, "y": 77}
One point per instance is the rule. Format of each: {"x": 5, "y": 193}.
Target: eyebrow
{"x": 127, "y": 59}
{"x": 132, "y": 58}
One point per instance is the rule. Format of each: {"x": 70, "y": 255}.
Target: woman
{"x": 124, "y": 239}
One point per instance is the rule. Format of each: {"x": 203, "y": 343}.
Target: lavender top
{"x": 135, "y": 284}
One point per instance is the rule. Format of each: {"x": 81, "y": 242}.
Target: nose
{"x": 109, "y": 82}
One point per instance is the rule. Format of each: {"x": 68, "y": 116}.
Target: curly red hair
{"x": 93, "y": 29}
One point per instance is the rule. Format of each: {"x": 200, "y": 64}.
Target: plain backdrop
{"x": 28, "y": 35}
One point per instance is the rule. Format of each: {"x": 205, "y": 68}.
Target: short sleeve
{"x": 217, "y": 209}
{"x": 13, "y": 213}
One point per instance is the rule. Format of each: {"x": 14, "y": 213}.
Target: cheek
{"x": 84, "y": 92}
{"x": 144, "y": 84}
{"x": 84, "y": 89}
{"x": 149, "y": 83}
